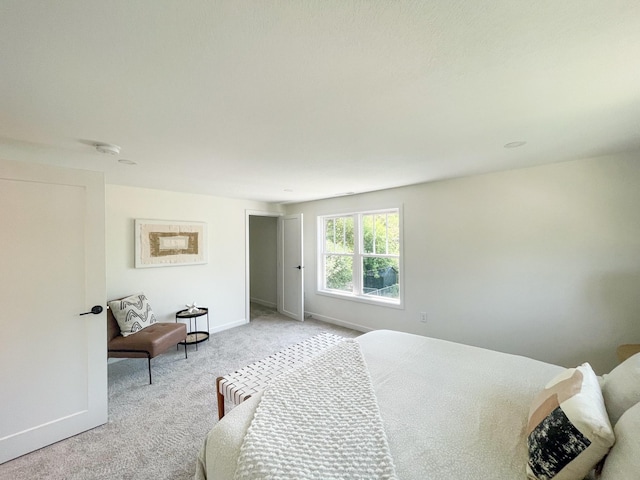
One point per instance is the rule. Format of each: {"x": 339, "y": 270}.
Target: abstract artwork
{"x": 169, "y": 243}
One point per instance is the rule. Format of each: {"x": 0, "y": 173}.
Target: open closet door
{"x": 291, "y": 272}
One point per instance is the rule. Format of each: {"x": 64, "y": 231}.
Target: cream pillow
{"x": 621, "y": 388}
{"x": 623, "y": 461}
{"x": 132, "y": 313}
{"x": 568, "y": 431}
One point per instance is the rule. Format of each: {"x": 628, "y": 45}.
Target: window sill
{"x": 362, "y": 299}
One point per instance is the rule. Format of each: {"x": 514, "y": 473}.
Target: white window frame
{"x": 357, "y": 260}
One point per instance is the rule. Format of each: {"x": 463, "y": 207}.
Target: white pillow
{"x": 621, "y": 388}
{"x": 132, "y": 313}
{"x": 568, "y": 431}
{"x": 623, "y": 461}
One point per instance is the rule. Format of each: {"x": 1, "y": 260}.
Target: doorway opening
{"x": 262, "y": 282}
{"x": 273, "y": 263}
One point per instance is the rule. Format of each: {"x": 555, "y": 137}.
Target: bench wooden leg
{"x": 220, "y": 399}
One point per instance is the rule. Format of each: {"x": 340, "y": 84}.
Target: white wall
{"x": 543, "y": 261}
{"x": 263, "y": 248}
{"x": 219, "y": 285}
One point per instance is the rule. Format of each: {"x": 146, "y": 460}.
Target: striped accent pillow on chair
{"x": 132, "y": 313}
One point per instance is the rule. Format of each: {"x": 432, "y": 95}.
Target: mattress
{"x": 450, "y": 411}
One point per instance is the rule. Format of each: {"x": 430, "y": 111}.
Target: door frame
{"x": 247, "y": 274}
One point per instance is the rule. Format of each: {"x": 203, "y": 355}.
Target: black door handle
{"x": 299, "y": 267}
{"x": 96, "y": 309}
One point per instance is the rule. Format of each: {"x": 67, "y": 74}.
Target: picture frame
{"x": 169, "y": 243}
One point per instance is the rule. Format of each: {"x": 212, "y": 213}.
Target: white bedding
{"x": 450, "y": 411}
{"x": 322, "y": 429}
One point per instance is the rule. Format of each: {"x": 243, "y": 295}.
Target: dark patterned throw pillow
{"x": 553, "y": 444}
{"x": 568, "y": 431}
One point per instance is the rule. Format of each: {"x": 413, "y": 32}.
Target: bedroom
{"x": 541, "y": 260}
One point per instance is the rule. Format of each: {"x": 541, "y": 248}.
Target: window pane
{"x": 393, "y": 230}
{"x": 380, "y": 244}
{"x": 338, "y": 235}
{"x": 381, "y": 233}
{"x": 338, "y": 272}
{"x": 380, "y": 277}
{"x": 345, "y": 231}
{"x": 329, "y": 235}
{"x": 367, "y": 233}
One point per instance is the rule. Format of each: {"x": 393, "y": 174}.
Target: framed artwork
{"x": 169, "y": 243}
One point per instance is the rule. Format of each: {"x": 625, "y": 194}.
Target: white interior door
{"x": 291, "y": 266}
{"x": 53, "y": 366}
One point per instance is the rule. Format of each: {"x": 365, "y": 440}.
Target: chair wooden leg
{"x": 185, "y": 350}
{"x": 149, "y": 369}
{"x": 220, "y": 399}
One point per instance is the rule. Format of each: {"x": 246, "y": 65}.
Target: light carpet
{"x": 155, "y": 431}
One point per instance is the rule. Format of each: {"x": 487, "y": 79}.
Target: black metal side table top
{"x": 197, "y": 313}
{"x": 194, "y": 337}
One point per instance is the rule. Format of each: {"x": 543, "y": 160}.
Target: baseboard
{"x": 227, "y": 326}
{"x": 264, "y": 303}
{"x": 336, "y": 321}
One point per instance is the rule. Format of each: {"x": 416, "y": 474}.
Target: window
{"x": 359, "y": 256}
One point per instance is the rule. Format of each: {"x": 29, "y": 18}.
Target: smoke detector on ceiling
{"x": 108, "y": 148}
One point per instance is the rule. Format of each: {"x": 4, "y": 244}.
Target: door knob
{"x": 299, "y": 267}
{"x": 96, "y": 309}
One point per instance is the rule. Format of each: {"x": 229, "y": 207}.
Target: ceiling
{"x": 294, "y": 100}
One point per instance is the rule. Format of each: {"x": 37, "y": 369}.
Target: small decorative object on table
{"x": 192, "y": 312}
{"x": 192, "y": 308}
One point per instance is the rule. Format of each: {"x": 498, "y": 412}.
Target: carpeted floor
{"x": 155, "y": 431}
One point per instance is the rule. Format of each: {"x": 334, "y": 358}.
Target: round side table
{"x": 194, "y": 337}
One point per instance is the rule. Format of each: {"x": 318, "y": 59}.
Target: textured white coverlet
{"x": 319, "y": 421}
{"x": 450, "y": 411}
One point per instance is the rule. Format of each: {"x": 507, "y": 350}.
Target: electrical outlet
{"x": 423, "y": 317}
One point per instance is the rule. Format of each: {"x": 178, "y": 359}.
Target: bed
{"x": 449, "y": 411}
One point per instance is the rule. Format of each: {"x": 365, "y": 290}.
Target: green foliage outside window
{"x": 380, "y": 253}
{"x": 339, "y": 270}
